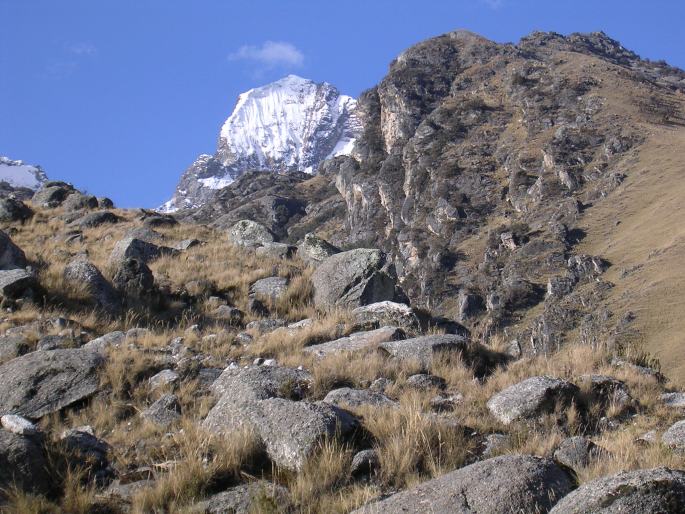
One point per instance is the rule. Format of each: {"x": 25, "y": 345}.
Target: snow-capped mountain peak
{"x": 289, "y": 125}
{"x": 20, "y": 175}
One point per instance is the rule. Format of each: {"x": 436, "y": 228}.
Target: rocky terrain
{"x": 444, "y": 320}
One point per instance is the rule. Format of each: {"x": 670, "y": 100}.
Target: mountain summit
{"x": 290, "y": 125}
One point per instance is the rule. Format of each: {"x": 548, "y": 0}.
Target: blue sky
{"x": 120, "y": 96}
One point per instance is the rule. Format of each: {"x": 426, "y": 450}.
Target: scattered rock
{"x": 380, "y": 314}
{"x": 314, "y": 250}
{"x": 355, "y": 278}
{"x": 139, "y": 249}
{"x": 423, "y": 381}
{"x": 134, "y": 279}
{"x": 52, "y": 194}
{"x": 494, "y": 444}
{"x": 531, "y": 398}
{"x": 445, "y": 402}
{"x": 510, "y": 483}
{"x": 12, "y": 209}
{"x": 22, "y": 464}
{"x": 101, "y": 344}
{"x": 271, "y": 288}
{"x": 264, "y": 326}
{"x": 12, "y": 346}
{"x": 41, "y": 383}
{"x": 82, "y": 274}
{"x": 89, "y": 451}
{"x": 164, "y": 378}
{"x": 644, "y": 491}
{"x": 77, "y": 201}
{"x": 346, "y": 396}
{"x": 424, "y": 349}
{"x": 18, "y": 425}
{"x": 164, "y": 411}
{"x": 246, "y": 499}
{"x": 357, "y": 341}
{"x": 276, "y": 250}
{"x": 54, "y": 343}
{"x": 249, "y": 234}
{"x": 11, "y": 256}
{"x": 673, "y": 400}
{"x": 228, "y": 314}
{"x": 365, "y": 462}
{"x": 95, "y": 219}
{"x": 16, "y": 283}
{"x": 578, "y": 452}
{"x": 674, "y": 437}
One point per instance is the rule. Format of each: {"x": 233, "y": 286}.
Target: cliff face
{"x": 476, "y": 168}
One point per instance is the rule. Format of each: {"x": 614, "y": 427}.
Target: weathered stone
{"x": 271, "y": 288}
{"x": 510, "y": 483}
{"x": 264, "y": 326}
{"x": 229, "y": 315}
{"x": 41, "y": 383}
{"x": 357, "y": 341}
{"x": 18, "y": 425}
{"x": 292, "y": 431}
{"x": 445, "y": 402}
{"x": 89, "y": 451}
{"x": 314, "y": 249}
{"x": 11, "y": 256}
{"x": 355, "y": 278}
{"x": 246, "y": 499}
{"x": 674, "y": 437}
{"x": 12, "y": 209}
{"x": 22, "y": 464}
{"x": 12, "y": 346}
{"x": 365, "y": 462}
{"x": 164, "y": 411}
{"x": 96, "y": 219}
{"x": 673, "y": 400}
{"x": 52, "y": 194}
{"x": 101, "y": 344}
{"x": 423, "y": 381}
{"x": 139, "y": 249}
{"x": 347, "y": 396}
{"x": 424, "y": 349}
{"x": 276, "y": 250}
{"x": 469, "y": 305}
{"x": 54, "y": 343}
{"x": 531, "y": 398}
{"x": 82, "y": 274}
{"x": 77, "y": 201}
{"x": 164, "y": 378}
{"x": 380, "y": 314}
{"x": 259, "y": 383}
{"x": 250, "y": 234}
{"x": 645, "y": 491}
{"x": 15, "y": 283}
{"x": 578, "y": 452}
{"x": 608, "y": 391}
{"x": 495, "y": 444}
{"x": 134, "y": 279}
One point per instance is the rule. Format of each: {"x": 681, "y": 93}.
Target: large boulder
{"x": 380, "y": 314}
{"x": 12, "y": 209}
{"x": 40, "y": 383}
{"x": 133, "y": 278}
{"x": 12, "y": 346}
{"x": 11, "y": 256}
{"x": 52, "y": 194}
{"x": 510, "y": 483}
{"x": 165, "y": 411}
{"x": 139, "y": 249}
{"x": 346, "y": 396}
{"x": 271, "y": 288}
{"x": 357, "y": 341}
{"x": 77, "y": 201}
{"x": 354, "y": 278}
{"x": 250, "y": 234}
{"x": 644, "y": 491}
{"x": 259, "y": 399}
{"x": 95, "y": 219}
{"x": 246, "y": 499}
{"x": 424, "y": 349}
{"x": 674, "y": 437}
{"x": 82, "y": 274}
{"x": 14, "y": 283}
{"x": 23, "y": 464}
{"x": 314, "y": 250}
{"x": 578, "y": 452}
{"x": 531, "y": 398}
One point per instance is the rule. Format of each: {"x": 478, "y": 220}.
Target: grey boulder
{"x": 249, "y": 234}
{"x": 246, "y": 499}
{"x": 12, "y": 209}
{"x": 354, "y": 278}
{"x": 346, "y": 396}
{"x": 22, "y": 464}
{"x": 379, "y": 314}
{"x": 531, "y": 398}
{"x": 356, "y": 341}
{"x": 644, "y": 491}
{"x": 578, "y": 452}
{"x": 139, "y": 249}
{"x": 271, "y": 288}
{"x": 82, "y": 274}
{"x": 40, "y": 383}
{"x": 14, "y": 283}
{"x": 165, "y": 411}
{"x": 11, "y": 256}
{"x": 510, "y": 483}
{"x": 424, "y": 349}
{"x": 674, "y": 437}
{"x": 314, "y": 249}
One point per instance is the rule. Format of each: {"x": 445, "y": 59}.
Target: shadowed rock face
{"x": 511, "y": 483}
{"x": 640, "y": 492}
{"x": 40, "y": 383}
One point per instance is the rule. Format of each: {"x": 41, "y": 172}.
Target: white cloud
{"x": 493, "y": 4}
{"x": 271, "y": 54}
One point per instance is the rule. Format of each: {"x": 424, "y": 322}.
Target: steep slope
{"x": 290, "y": 125}
{"x": 490, "y": 173}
